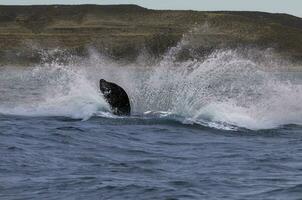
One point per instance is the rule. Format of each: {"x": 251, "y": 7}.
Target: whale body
{"x": 116, "y": 97}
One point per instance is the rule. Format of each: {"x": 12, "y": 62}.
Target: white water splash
{"x": 225, "y": 91}
{"x": 55, "y": 90}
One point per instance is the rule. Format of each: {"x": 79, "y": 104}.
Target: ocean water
{"x": 225, "y": 127}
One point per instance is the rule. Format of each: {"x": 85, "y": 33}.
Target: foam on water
{"x": 226, "y": 90}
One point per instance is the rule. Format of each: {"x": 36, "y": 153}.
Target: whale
{"x": 116, "y": 97}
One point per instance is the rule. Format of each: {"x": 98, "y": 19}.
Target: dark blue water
{"x": 133, "y": 158}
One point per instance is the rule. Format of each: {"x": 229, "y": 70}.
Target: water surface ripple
{"x": 59, "y": 158}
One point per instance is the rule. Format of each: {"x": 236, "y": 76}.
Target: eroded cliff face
{"x": 123, "y": 32}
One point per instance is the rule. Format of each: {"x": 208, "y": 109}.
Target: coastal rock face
{"x": 124, "y": 32}
{"x": 116, "y": 97}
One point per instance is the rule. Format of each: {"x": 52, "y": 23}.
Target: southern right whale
{"x": 116, "y": 97}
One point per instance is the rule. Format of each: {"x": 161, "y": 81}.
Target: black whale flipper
{"x": 116, "y": 97}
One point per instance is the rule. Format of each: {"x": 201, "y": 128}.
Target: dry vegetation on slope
{"x": 122, "y": 31}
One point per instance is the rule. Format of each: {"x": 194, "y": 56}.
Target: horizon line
{"x": 89, "y": 4}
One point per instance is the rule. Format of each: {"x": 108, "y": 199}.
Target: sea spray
{"x": 227, "y": 89}
{"x": 53, "y": 90}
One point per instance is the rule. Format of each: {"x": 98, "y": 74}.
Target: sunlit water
{"x": 227, "y": 127}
